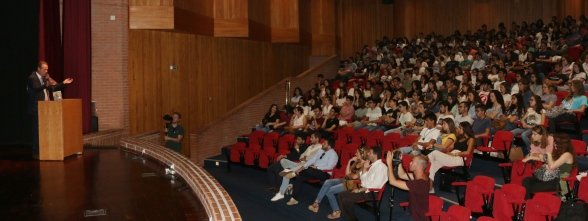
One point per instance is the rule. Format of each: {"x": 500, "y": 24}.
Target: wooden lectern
{"x": 60, "y": 129}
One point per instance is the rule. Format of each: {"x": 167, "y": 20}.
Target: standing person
{"x": 418, "y": 187}
{"x": 39, "y": 86}
{"x": 174, "y": 133}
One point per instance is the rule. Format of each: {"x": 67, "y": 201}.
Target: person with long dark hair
{"x": 452, "y": 157}
{"x": 533, "y": 117}
{"x": 576, "y": 102}
{"x": 496, "y": 106}
{"x": 271, "y": 120}
{"x": 561, "y": 158}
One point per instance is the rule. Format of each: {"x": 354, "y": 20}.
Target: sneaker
{"x": 314, "y": 207}
{"x": 292, "y": 202}
{"x": 277, "y": 197}
{"x": 334, "y": 215}
{"x": 285, "y": 172}
{"x": 290, "y": 175}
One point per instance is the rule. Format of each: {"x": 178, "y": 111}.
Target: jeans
{"x": 330, "y": 188}
{"x": 287, "y": 164}
{"x": 525, "y": 133}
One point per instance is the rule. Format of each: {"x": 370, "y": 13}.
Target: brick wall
{"x": 109, "y": 63}
{"x": 208, "y": 141}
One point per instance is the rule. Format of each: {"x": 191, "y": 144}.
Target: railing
{"x": 216, "y": 201}
{"x": 208, "y": 140}
{"x": 107, "y": 138}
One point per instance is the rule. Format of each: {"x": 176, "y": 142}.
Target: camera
{"x": 396, "y": 158}
{"x": 167, "y": 117}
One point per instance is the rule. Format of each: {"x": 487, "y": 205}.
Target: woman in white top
{"x": 297, "y": 95}
{"x": 297, "y": 122}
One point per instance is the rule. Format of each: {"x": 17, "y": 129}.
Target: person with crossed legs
{"x": 325, "y": 159}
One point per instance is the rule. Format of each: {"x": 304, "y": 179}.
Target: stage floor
{"x": 101, "y": 184}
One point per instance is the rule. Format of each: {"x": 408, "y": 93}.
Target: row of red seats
{"x": 508, "y": 202}
{"x": 265, "y": 147}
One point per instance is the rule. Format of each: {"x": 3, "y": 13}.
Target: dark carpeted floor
{"x": 249, "y": 189}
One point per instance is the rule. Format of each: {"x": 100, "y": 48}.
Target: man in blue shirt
{"x": 325, "y": 159}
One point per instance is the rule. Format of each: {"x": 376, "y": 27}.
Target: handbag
{"x": 556, "y": 111}
{"x": 351, "y": 184}
{"x": 516, "y": 153}
{"x": 545, "y": 174}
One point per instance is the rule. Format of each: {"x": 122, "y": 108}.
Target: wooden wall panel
{"x": 213, "y": 75}
{"x": 194, "y": 16}
{"x": 231, "y": 18}
{"x": 259, "y": 20}
{"x": 284, "y": 20}
{"x": 361, "y": 23}
{"x": 151, "y": 17}
{"x": 446, "y": 16}
{"x": 322, "y": 25}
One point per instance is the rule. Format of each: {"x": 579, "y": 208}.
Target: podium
{"x": 60, "y": 129}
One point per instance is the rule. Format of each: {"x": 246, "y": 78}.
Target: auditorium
{"x": 291, "y": 110}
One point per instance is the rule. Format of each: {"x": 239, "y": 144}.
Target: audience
{"x": 484, "y": 81}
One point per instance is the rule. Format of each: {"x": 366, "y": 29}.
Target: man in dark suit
{"x": 39, "y": 86}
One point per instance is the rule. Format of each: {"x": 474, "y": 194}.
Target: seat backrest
{"x": 579, "y": 147}
{"x": 457, "y": 212}
{"x": 410, "y": 139}
{"x": 344, "y": 134}
{"x": 502, "y": 140}
{"x": 271, "y": 139}
{"x": 561, "y": 95}
{"x": 256, "y": 137}
{"x": 515, "y": 192}
{"x": 583, "y": 189}
{"x": 547, "y": 201}
{"x": 486, "y": 183}
{"x": 435, "y": 204}
{"x": 391, "y": 141}
{"x": 468, "y": 159}
{"x": 286, "y": 142}
{"x": 486, "y": 218}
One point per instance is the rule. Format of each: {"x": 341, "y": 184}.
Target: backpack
{"x": 573, "y": 210}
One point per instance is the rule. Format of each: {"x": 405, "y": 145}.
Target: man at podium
{"x": 39, "y": 86}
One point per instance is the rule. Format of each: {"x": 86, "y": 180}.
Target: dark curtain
{"x": 19, "y": 44}
{"x": 50, "y": 46}
{"x": 77, "y": 54}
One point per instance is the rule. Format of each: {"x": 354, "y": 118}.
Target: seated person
{"x": 464, "y": 145}
{"x": 576, "y": 102}
{"x": 294, "y": 155}
{"x": 329, "y": 125}
{"x": 325, "y": 159}
{"x": 298, "y": 122}
{"x": 271, "y": 120}
{"x": 562, "y": 157}
{"x": 541, "y": 144}
{"x": 288, "y": 165}
{"x": 373, "y": 176}
{"x": 371, "y": 119}
{"x": 418, "y": 185}
{"x": 481, "y": 125}
{"x": 427, "y": 137}
{"x": 447, "y": 138}
{"x": 405, "y": 119}
{"x": 337, "y": 185}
